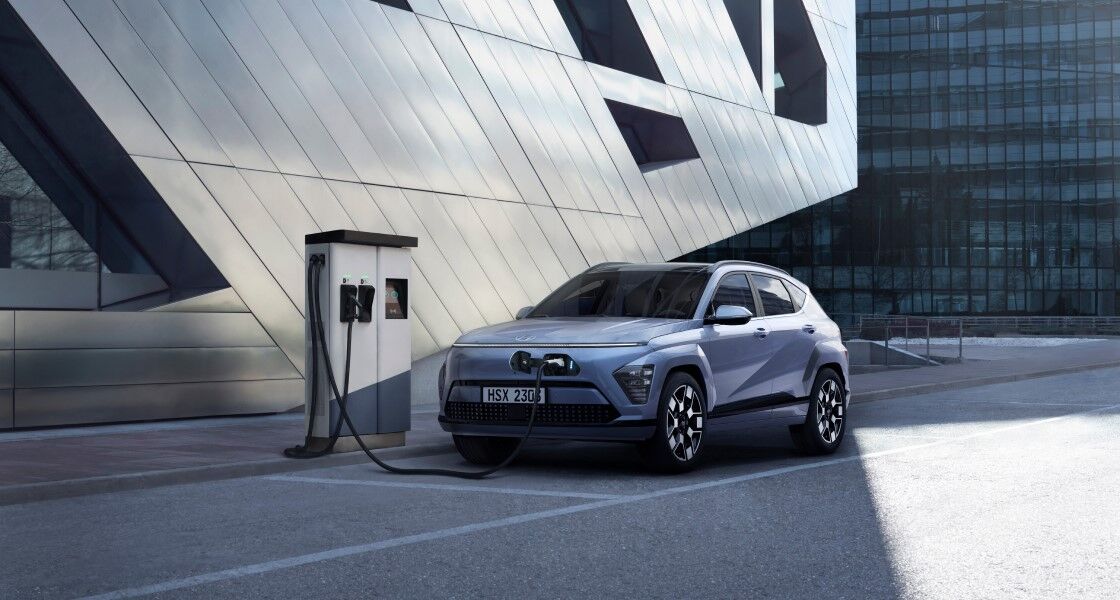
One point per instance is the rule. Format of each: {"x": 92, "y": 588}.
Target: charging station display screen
{"x": 396, "y": 298}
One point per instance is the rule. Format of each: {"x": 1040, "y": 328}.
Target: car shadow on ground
{"x": 816, "y": 532}
{"x": 724, "y": 449}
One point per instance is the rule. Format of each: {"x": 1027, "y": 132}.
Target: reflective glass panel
{"x": 987, "y": 167}
{"x": 34, "y": 234}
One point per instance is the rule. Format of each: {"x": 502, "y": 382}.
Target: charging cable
{"x": 318, "y": 344}
{"x": 305, "y": 451}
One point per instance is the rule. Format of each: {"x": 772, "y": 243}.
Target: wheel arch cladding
{"x": 695, "y": 372}
{"x": 836, "y": 368}
{"x": 821, "y": 358}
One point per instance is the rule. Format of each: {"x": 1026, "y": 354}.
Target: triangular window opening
{"x": 34, "y": 234}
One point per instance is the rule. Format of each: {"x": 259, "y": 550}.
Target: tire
{"x": 682, "y": 413}
{"x": 484, "y": 450}
{"x": 826, "y": 420}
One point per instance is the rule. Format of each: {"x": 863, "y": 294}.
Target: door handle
{"x": 761, "y": 332}
{"x": 809, "y": 328}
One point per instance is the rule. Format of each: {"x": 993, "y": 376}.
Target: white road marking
{"x": 1067, "y": 404}
{"x": 864, "y": 432}
{"x": 442, "y": 486}
{"x": 314, "y": 557}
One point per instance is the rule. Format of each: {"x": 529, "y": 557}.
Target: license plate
{"x": 510, "y": 395}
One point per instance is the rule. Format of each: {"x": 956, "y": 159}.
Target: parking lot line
{"x": 342, "y": 552}
{"x": 442, "y": 486}
{"x": 1067, "y": 404}
{"x": 859, "y": 432}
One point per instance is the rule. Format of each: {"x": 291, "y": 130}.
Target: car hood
{"x": 576, "y": 330}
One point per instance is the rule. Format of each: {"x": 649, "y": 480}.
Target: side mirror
{"x": 524, "y": 312}
{"x": 729, "y": 314}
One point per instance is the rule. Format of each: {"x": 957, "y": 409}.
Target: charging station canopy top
{"x": 361, "y": 238}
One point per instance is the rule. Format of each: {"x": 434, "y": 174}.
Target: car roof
{"x": 747, "y": 263}
{"x": 665, "y": 266}
{"x": 693, "y": 267}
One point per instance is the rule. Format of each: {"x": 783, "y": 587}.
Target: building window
{"x": 607, "y": 34}
{"x": 800, "y": 72}
{"x": 401, "y": 4}
{"x": 81, "y": 228}
{"x": 655, "y": 139}
{"x": 746, "y": 16}
{"x": 34, "y": 234}
{"x": 60, "y": 250}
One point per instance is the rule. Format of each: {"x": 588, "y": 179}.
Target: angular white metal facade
{"x": 471, "y": 124}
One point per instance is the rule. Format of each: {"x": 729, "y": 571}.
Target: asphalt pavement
{"x": 1004, "y": 491}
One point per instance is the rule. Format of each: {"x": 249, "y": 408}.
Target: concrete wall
{"x": 862, "y": 352}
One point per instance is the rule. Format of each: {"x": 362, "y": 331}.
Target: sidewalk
{"x": 995, "y": 366}
{"x": 37, "y": 465}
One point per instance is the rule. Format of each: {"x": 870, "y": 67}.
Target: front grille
{"x": 547, "y": 414}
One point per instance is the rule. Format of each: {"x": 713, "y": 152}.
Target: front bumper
{"x": 580, "y": 412}
{"x": 587, "y": 406}
{"x": 618, "y": 431}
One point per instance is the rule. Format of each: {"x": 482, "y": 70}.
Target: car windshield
{"x": 639, "y": 293}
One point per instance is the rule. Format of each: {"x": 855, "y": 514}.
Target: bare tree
{"x": 15, "y": 184}
{"x": 15, "y": 187}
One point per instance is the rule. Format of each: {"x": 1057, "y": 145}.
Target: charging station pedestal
{"x": 375, "y": 267}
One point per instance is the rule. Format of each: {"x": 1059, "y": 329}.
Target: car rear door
{"x": 792, "y": 334}
{"x": 736, "y": 353}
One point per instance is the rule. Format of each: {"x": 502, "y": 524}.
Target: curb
{"x": 69, "y": 488}
{"x": 943, "y": 386}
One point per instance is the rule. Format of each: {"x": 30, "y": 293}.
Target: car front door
{"x": 737, "y": 353}
{"x": 792, "y": 337}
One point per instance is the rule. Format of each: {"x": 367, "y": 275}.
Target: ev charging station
{"x": 362, "y": 294}
{"x": 359, "y": 351}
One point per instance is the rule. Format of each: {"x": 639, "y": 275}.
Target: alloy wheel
{"x": 684, "y": 422}
{"x": 830, "y": 411}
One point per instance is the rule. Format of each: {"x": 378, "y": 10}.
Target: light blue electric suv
{"x": 659, "y": 354}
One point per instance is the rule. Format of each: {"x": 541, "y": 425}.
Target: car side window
{"x": 797, "y": 294}
{"x": 774, "y": 296}
{"x": 734, "y": 290}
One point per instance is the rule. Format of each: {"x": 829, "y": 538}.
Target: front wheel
{"x": 826, "y": 420}
{"x": 484, "y": 450}
{"x": 677, "y": 442}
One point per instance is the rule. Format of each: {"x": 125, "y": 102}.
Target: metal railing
{"x": 1077, "y": 326}
{"x": 914, "y": 332}
{"x": 918, "y": 331}
{"x": 991, "y": 326}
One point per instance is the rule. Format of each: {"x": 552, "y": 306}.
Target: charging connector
{"x": 365, "y": 302}
{"x": 349, "y": 309}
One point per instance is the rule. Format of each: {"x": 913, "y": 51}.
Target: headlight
{"x": 440, "y": 383}
{"x": 635, "y": 381}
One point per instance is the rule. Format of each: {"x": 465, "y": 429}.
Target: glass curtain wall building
{"x": 988, "y": 169}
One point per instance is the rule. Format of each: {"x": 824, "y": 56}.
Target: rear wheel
{"x": 677, "y": 442}
{"x": 484, "y": 450}
{"x": 826, "y": 420}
